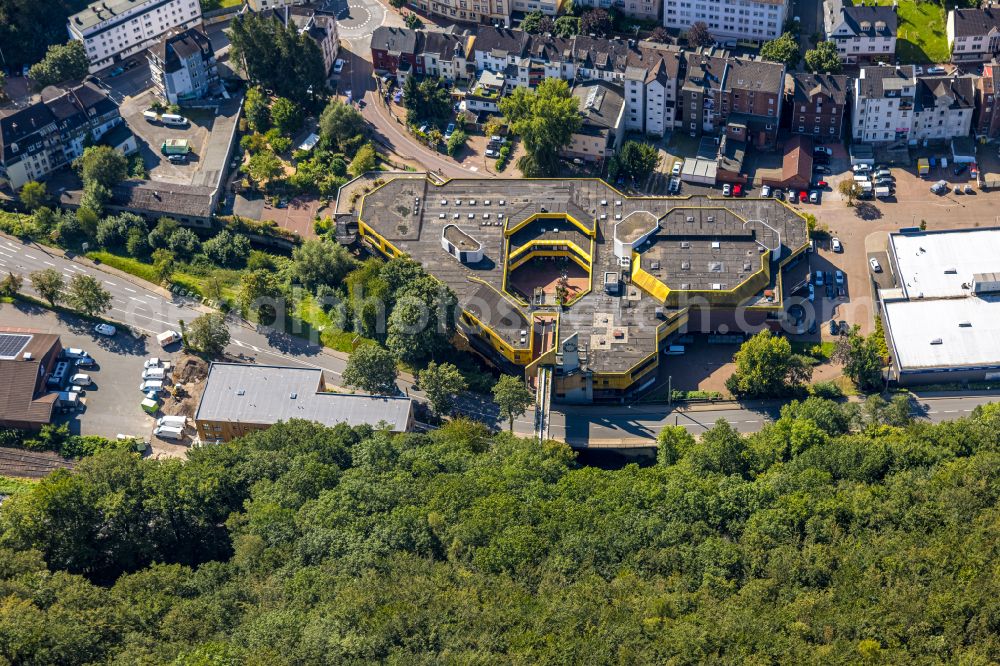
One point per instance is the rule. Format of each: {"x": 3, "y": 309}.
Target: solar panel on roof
{"x": 11, "y": 344}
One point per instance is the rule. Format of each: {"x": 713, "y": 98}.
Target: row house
{"x": 643, "y": 10}
{"x": 112, "y": 30}
{"x": 730, "y": 21}
{"x": 445, "y": 55}
{"x": 395, "y": 49}
{"x": 490, "y": 12}
{"x": 986, "y": 118}
{"x": 602, "y": 126}
{"x": 863, "y": 33}
{"x": 815, "y": 105}
{"x": 719, "y": 90}
{"x": 943, "y": 107}
{"x": 973, "y": 34}
{"x": 883, "y": 102}
{"x": 52, "y": 132}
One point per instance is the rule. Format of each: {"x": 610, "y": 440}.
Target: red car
{"x": 737, "y": 190}
{"x": 803, "y": 196}
{"x": 821, "y": 183}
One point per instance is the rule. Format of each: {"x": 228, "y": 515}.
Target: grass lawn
{"x": 14, "y": 486}
{"x": 212, "y": 5}
{"x": 194, "y": 283}
{"x": 921, "y": 37}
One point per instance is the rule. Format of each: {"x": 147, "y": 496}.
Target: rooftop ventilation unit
{"x": 685, "y": 245}
{"x": 937, "y": 341}
{"x": 965, "y": 324}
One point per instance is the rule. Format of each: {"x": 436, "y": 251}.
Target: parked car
{"x": 939, "y": 187}
{"x": 877, "y": 267}
{"x": 819, "y": 168}
{"x": 818, "y": 278}
{"x": 819, "y": 182}
{"x": 152, "y": 362}
{"x": 822, "y": 150}
{"x": 338, "y": 65}
{"x": 958, "y": 190}
{"x": 812, "y": 293}
{"x": 779, "y": 194}
{"x": 793, "y": 196}
{"x": 177, "y": 159}
{"x": 969, "y": 190}
{"x": 959, "y": 169}
{"x": 81, "y": 379}
{"x": 105, "y": 329}
{"x": 936, "y": 69}
{"x": 168, "y": 338}
{"x": 676, "y": 170}
{"x": 85, "y": 362}
{"x": 838, "y": 277}
{"x": 675, "y": 186}
{"x": 153, "y": 386}
{"x": 492, "y": 152}
{"x": 843, "y": 327}
{"x": 449, "y": 131}
{"x": 803, "y": 196}
{"x": 727, "y": 190}
{"x": 835, "y": 245}
{"x": 833, "y": 328}
{"x": 861, "y": 168}
{"x": 74, "y": 353}
{"x": 765, "y": 191}
{"x": 814, "y": 197}
{"x": 737, "y": 190}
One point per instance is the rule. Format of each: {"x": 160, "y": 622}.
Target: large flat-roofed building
{"x": 572, "y": 274}
{"x": 26, "y": 359}
{"x": 241, "y": 398}
{"x": 942, "y": 320}
{"x": 112, "y": 30}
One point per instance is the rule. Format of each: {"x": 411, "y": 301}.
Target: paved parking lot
{"x": 150, "y": 136}
{"x": 112, "y": 404}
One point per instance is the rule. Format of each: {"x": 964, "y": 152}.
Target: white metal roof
{"x": 967, "y": 328}
{"x": 937, "y": 264}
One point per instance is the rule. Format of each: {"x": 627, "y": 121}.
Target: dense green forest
{"x": 29, "y": 27}
{"x": 836, "y": 535}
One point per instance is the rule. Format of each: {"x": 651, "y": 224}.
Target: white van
{"x": 866, "y": 186}
{"x": 154, "y": 373}
{"x": 173, "y": 119}
{"x": 882, "y": 192}
{"x": 168, "y": 432}
{"x": 861, "y": 178}
{"x": 151, "y": 385}
{"x": 172, "y": 422}
{"x": 151, "y": 116}
{"x": 168, "y": 338}
{"x": 81, "y": 379}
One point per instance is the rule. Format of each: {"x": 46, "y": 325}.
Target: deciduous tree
{"x": 512, "y": 397}
{"x": 824, "y": 59}
{"x": 766, "y": 367}
{"x": 88, "y": 296}
{"x": 596, "y": 22}
{"x": 33, "y": 195}
{"x": 784, "y": 49}
{"x": 698, "y": 35}
{"x": 372, "y": 369}
{"x": 49, "y": 284}
{"x": 634, "y": 161}
{"x": 441, "y": 382}
{"x": 62, "y": 62}
{"x": 208, "y": 333}
{"x": 545, "y": 119}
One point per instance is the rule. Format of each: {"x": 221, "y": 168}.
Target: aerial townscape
{"x": 499, "y": 331}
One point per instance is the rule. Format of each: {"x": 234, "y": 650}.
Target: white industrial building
{"x": 942, "y": 320}
{"x": 112, "y": 30}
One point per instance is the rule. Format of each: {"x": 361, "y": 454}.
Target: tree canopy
{"x": 784, "y": 49}
{"x": 545, "y": 119}
{"x": 698, "y": 35}
{"x": 371, "y": 368}
{"x": 62, "y": 62}
{"x": 635, "y": 161}
{"x": 830, "y": 536}
{"x": 277, "y": 57}
{"x": 824, "y": 59}
{"x": 766, "y": 367}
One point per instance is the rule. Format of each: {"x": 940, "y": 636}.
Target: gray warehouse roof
{"x": 266, "y": 394}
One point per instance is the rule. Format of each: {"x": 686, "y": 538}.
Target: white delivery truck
{"x": 168, "y": 432}
{"x": 172, "y": 421}
{"x": 173, "y": 119}
{"x": 151, "y": 116}
{"x": 154, "y": 374}
{"x": 168, "y": 338}
{"x": 883, "y": 192}
{"x": 152, "y": 385}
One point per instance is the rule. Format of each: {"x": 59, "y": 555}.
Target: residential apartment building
{"x": 115, "y": 29}
{"x": 644, "y": 10}
{"x": 51, "y": 133}
{"x": 973, "y": 34}
{"x": 395, "y": 48}
{"x": 986, "y": 118}
{"x": 602, "y": 107}
{"x": 182, "y": 65}
{"x": 943, "y": 108}
{"x": 263, "y": 5}
{"x": 319, "y": 26}
{"x": 863, "y": 33}
{"x": 815, "y": 105}
{"x": 883, "y": 104}
{"x": 491, "y": 12}
{"x": 547, "y": 7}
{"x": 651, "y": 95}
{"x": 729, "y": 21}
{"x": 446, "y": 55}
